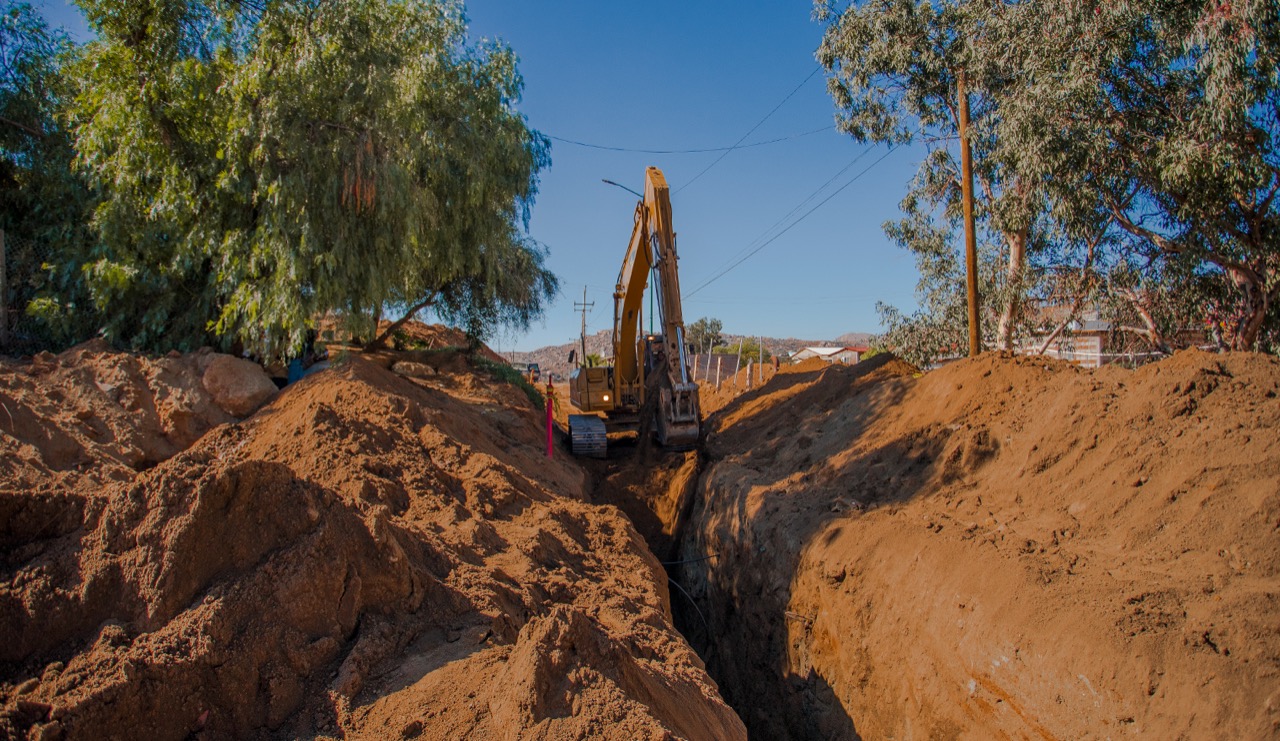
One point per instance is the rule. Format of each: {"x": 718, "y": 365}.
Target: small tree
{"x": 704, "y": 333}
{"x": 750, "y": 349}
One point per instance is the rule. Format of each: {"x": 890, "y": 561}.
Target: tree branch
{"x": 377, "y": 343}
{"x": 23, "y": 127}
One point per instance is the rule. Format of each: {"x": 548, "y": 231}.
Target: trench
{"x": 742, "y": 649}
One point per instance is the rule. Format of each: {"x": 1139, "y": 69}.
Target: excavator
{"x": 648, "y": 381}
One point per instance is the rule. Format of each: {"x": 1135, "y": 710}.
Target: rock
{"x": 203, "y": 357}
{"x": 413, "y": 370}
{"x": 238, "y": 386}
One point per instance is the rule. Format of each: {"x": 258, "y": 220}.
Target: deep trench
{"x": 743, "y": 645}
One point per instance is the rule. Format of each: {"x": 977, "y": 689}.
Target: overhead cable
{"x": 788, "y": 228}
{"x": 689, "y": 151}
{"x": 737, "y": 145}
{"x": 801, "y": 204}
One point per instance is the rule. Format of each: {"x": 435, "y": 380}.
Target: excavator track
{"x": 587, "y": 435}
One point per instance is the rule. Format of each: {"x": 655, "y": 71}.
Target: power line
{"x": 802, "y": 204}
{"x": 689, "y": 151}
{"x": 750, "y": 131}
{"x": 806, "y": 214}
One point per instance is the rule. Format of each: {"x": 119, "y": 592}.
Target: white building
{"x": 845, "y": 355}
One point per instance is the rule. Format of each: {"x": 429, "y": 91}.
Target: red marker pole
{"x": 551, "y": 397}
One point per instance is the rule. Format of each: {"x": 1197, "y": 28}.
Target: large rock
{"x": 238, "y": 386}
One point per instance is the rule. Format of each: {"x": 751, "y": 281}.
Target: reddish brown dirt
{"x": 368, "y": 556}
{"x": 712, "y": 399}
{"x": 1003, "y": 548}
{"x": 76, "y": 423}
{"x": 652, "y": 486}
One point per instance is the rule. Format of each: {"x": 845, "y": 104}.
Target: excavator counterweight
{"x": 649, "y": 374}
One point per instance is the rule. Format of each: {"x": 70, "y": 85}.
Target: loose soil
{"x": 368, "y": 556}
{"x": 1007, "y": 547}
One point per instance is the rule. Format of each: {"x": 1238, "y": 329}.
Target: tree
{"x": 1125, "y": 153}
{"x": 261, "y": 164}
{"x": 704, "y": 333}
{"x": 42, "y": 203}
{"x": 1165, "y": 117}
{"x": 894, "y": 69}
{"x": 748, "y": 348}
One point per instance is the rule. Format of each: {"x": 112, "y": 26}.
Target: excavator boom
{"x": 649, "y": 372}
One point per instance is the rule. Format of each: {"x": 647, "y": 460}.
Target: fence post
{"x": 719, "y": 362}
{"x": 760, "y": 362}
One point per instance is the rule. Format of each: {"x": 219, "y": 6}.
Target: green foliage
{"x": 895, "y": 67}
{"x": 704, "y": 333}
{"x": 506, "y": 374}
{"x": 1125, "y": 158}
{"x": 1186, "y": 167}
{"x": 261, "y": 165}
{"x": 748, "y": 347}
{"x": 593, "y": 360}
{"x": 42, "y": 203}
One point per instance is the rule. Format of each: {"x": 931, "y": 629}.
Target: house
{"x": 845, "y": 355}
{"x": 1088, "y": 340}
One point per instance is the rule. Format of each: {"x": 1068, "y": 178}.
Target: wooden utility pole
{"x": 584, "y": 307}
{"x": 970, "y": 237}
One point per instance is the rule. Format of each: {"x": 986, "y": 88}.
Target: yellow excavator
{"x": 649, "y": 374}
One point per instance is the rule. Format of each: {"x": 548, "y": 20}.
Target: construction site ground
{"x": 1007, "y": 547}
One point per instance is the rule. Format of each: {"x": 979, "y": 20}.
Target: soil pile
{"x": 80, "y": 421}
{"x": 1006, "y": 547}
{"x": 713, "y": 399}
{"x": 367, "y": 556}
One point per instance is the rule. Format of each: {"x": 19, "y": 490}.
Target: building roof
{"x": 828, "y": 351}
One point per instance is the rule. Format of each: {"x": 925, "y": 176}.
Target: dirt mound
{"x": 416, "y": 335}
{"x": 83, "y": 420}
{"x": 367, "y": 556}
{"x": 712, "y": 399}
{"x": 1007, "y": 546}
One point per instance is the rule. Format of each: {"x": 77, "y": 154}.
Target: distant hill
{"x": 854, "y": 339}
{"x": 555, "y": 358}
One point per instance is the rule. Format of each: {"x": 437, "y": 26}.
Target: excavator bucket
{"x": 678, "y": 425}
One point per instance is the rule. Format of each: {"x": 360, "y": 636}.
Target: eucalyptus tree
{"x": 1165, "y": 117}
{"x": 263, "y": 163}
{"x": 894, "y": 68}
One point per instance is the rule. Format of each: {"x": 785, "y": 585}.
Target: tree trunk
{"x": 1013, "y": 274}
{"x": 380, "y": 340}
{"x": 1257, "y": 301}
{"x": 1151, "y": 330}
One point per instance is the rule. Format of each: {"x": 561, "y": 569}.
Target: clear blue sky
{"x": 687, "y": 74}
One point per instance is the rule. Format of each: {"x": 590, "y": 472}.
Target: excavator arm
{"x": 650, "y": 251}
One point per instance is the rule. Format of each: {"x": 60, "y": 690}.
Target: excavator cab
{"x": 591, "y": 389}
